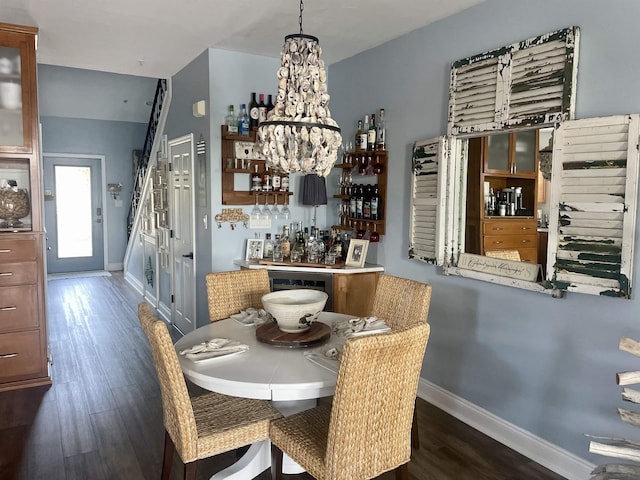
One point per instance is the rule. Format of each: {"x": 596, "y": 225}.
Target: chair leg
{"x": 167, "y": 459}
{"x": 415, "y": 435}
{"x": 276, "y": 463}
{"x": 190, "y": 470}
{"x": 402, "y": 472}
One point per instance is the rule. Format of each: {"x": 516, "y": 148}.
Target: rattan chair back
{"x": 373, "y": 404}
{"x": 401, "y": 302}
{"x": 234, "y": 291}
{"x": 179, "y": 419}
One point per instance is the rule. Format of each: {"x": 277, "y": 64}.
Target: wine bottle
{"x": 254, "y": 112}
{"x": 371, "y": 133}
{"x": 353, "y": 201}
{"x": 262, "y": 110}
{"x": 364, "y": 136}
{"x": 381, "y": 139}
{"x": 284, "y": 183}
{"x": 359, "y": 201}
{"x": 243, "y": 121}
{"x": 266, "y": 181}
{"x": 231, "y": 122}
{"x": 256, "y": 180}
{"x": 276, "y": 181}
{"x": 376, "y": 204}
{"x": 358, "y": 138}
{"x": 366, "y": 203}
{"x": 270, "y": 106}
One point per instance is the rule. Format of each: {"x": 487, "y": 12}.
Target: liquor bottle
{"x": 243, "y": 121}
{"x": 371, "y": 134}
{"x": 284, "y": 242}
{"x": 266, "y": 181}
{"x": 366, "y": 203}
{"x": 256, "y": 180}
{"x": 364, "y": 136}
{"x": 268, "y": 247}
{"x": 277, "y": 249}
{"x": 284, "y": 183}
{"x": 359, "y": 201}
{"x": 231, "y": 122}
{"x": 262, "y": 110}
{"x": 276, "y": 181}
{"x": 254, "y": 112}
{"x": 381, "y": 135}
{"x": 270, "y": 106}
{"x": 358, "y": 134}
{"x": 376, "y": 204}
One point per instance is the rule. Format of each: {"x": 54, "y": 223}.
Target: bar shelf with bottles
{"x": 366, "y": 167}
{"x": 232, "y": 165}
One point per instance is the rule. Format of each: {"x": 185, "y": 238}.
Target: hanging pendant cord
{"x": 300, "y": 18}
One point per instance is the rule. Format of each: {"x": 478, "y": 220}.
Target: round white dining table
{"x": 282, "y": 375}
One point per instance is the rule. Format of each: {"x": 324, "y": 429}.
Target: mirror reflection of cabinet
{"x": 502, "y": 194}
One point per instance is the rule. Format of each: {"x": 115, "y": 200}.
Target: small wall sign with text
{"x": 497, "y": 266}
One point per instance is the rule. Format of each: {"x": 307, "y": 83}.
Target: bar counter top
{"x": 368, "y": 267}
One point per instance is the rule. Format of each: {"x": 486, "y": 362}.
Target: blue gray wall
{"x": 85, "y": 112}
{"x": 543, "y": 364}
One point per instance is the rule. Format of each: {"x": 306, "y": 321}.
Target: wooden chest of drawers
{"x": 512, "y": 234}
{"x": 23, "y": 338}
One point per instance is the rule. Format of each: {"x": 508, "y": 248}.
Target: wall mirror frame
{"x": 593, "y": 179}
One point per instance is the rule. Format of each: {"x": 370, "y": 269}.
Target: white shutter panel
{"x": 593, "y": 200}
{"x": 427, "y": 229}
{"x": 527, "y": 83}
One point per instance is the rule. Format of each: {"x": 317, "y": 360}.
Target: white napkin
{"x": 355, "y": 327}
{"x": 252, "y": 316}
{"x": 216, "y": 347}
{"x": 328, "y": 357}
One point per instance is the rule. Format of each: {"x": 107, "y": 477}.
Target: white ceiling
{"x": 156, "y": 38}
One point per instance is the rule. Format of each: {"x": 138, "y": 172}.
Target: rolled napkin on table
{"x": 355, "y": 327}
{"x": 327, "y": 357}
{"x": 252, "y": 316}
{"x": 216, "y": 347}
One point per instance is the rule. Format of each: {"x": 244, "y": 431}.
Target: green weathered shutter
{"x": 427, "y": 231}
{"x": 593, "y": 205}
{"x": 527, "y": 83}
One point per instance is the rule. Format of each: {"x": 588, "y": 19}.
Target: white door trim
{"x": 103, "y": 170}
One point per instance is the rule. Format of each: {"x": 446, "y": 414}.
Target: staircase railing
{"x": 141, "y": 171}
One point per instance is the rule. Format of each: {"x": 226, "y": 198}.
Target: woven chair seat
{"x": 234, "y": 291}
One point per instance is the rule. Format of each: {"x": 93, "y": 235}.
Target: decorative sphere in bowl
{"x": 295, "y": 310}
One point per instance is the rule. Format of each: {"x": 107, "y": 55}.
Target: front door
{"x": 182, "y": 226}
{"x": 73, "y": 213}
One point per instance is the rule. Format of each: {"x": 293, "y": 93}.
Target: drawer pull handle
{"x": 6, "y": 309}
{"x": 525, "y": 241}
{"x": 5, "y": 250}
{"x": 497, "y": 229}
{"x": 6, "y": 274}
{"x": 497, "y": 242}
{"x": 8, "y": 355}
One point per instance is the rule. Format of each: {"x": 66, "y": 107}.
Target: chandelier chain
{"x": 300, "y": 17}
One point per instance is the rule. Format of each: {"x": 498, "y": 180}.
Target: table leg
{"x": 255, "y": 461}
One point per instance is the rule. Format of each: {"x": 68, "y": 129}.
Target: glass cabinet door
{"x": 525, "y": 151}
{"x": 17, "y": 82}
{"x": 498, "y": 153}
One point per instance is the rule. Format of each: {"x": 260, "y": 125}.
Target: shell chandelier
{"x": 300, "y": 135}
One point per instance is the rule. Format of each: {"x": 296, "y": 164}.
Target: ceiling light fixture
{"x": 300, "y": 135}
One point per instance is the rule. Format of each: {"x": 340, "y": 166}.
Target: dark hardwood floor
{"x": 102, "y": 417}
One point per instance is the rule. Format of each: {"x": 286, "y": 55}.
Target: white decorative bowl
{"x": 295, "y": 310}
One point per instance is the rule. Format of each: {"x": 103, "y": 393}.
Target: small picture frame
{"x": 255, "y": 249}
{"x": 357, "y": 253}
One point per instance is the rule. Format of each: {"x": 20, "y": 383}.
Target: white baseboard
{"x": 134, "y": 282}
{"x": 115, "y": 267}
{"x": 537, "y": 449}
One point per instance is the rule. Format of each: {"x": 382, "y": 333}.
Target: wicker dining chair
{"x": 234, "y": 291}
{"x": 202, "y": 426}
{"x": 401, "y": 302}
{"x": 365, "y": 431}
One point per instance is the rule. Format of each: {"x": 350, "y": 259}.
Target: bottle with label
{"x": 268, "y": 247}
{"x": 256, "y": 180}
{"x": 284, "y": 183}
{"x": 371, "y": 133}
{"x": 358, "y": 136}
{"x": 353, "y": 201}
{"x": 262, "y": 110}
{"x": 276, "y": 181}
{"x": 284, "y": 242}
{"x": 376, "y": 204}
{"x": 366, "y": 203}
{"x": 359, "y": 201}
{"x": 254, "y": 112}
{"x": 381, "y": 135}
{"x": 364, "y": 136}
{"x": 270, "y": 106}
{"x": 231, "y": 122}
{"x": 243, "y": 121}
{"x": 267, "y": 186}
